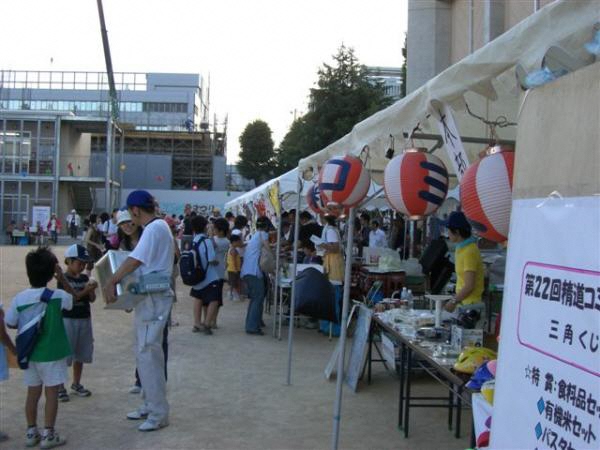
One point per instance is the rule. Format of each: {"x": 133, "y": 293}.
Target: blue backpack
{"x": 30, "y": 332}
{"x": 190, "y": 264}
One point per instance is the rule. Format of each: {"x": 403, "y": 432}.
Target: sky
{"x": 262, "y": 55}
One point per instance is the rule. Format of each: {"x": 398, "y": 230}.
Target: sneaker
{"x": 78, "y": 389}
{"x": 208, "y": 331}
{"x": 63, "y": 396}
{"x": 135, "y": 389}
{"x": 3, "y": 437}
{"x": 137, "y": 415}
{"x": 32, "y": 438}
{"x": 51, "y": 440}
{"x": 153, "y": 425}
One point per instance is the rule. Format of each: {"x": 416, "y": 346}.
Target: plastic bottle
{"x": 410, "y": 299}
{"x": 403, "y": 294}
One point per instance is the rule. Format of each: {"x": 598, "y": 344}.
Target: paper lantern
{"x": 486, "y": 194}
{"x": 344, "y": 181}
{"x": 314, "y": 200}
{"x": 415, "y": 183}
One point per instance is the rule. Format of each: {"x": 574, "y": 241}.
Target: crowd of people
{"x": 228, "y": 250}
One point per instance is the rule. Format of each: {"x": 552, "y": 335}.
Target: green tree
{"x": 403, "y": 69}
{"x": 257, "y": 156}
{"x": 344, "y": 95}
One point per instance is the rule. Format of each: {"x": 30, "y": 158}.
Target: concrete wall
{"x": 428, "y": 40}
{"x": 75, "y": 148}
{"x": 438, "y": 31}
{"x": 142, "y": 171}
{"x": 219, "y": 178}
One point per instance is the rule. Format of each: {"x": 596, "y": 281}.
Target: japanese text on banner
{"x": 451, "y": 136}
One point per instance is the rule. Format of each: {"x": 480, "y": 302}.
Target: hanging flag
{"x": 452, "y": 142}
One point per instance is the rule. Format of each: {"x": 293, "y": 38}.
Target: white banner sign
{"x": 451, "y": 136}
{"x": 40, "y": 214}
{"x": 548, "y": 379}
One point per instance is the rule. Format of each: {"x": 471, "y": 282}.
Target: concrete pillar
{"x": 429, "y": 40}
{"x": 493, "y": 19}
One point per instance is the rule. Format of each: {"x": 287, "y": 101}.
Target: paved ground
{"x": 227, "y": 391}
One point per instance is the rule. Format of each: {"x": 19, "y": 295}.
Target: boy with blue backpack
{"x": 42, "y": 343}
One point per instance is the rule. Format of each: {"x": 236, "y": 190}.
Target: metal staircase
{"x": 83, "y": 198}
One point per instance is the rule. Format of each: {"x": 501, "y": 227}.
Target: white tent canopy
{"x": 485, "y": 80}
{"x": 288, "y": 191}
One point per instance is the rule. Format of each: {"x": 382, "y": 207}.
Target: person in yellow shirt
{"x": 234, "y": 266}
{"x": 468, "y": 265}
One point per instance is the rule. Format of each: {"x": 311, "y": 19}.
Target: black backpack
{"x": 190, "y": 264}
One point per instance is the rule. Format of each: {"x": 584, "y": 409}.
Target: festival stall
{"x": 472, "y": 105}
{"x": 460, "y": 128}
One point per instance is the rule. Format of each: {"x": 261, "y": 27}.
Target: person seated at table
{"x": 310, "y": 253}
{"x": 468, "y": 266}
{"x": 377, "y": 237}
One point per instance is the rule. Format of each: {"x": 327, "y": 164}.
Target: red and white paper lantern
{"x": 314, "y": 200}
{"x": 344, "y": 181}
{"x": 486, "y": 195}
{"x": 415, "y": 183}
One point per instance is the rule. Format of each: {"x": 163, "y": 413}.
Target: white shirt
{"x": 377, "y": 238}
{"x": 155, "y": 250}
{"x": 52, "y": 224}
{"x": 207, "y": 254}
{"x": 221, "y": 249}
{"x": 251, "y": 264}
{"x": 74, "y": 217}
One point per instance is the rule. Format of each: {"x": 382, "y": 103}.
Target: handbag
{"x": 30, "y": 332}
{"x": 267, "y": 259}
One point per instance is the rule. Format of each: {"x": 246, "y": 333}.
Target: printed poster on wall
{"x": 40, "y": 214}
{"x": 548, "y": 379}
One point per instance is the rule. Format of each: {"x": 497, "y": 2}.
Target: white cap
{"x": 123, "y": 216}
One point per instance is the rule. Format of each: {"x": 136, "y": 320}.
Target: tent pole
{"x": 277, "y": 261}
{"x": 412, "y": 238}
{"x": 405, "y": 228}
{"x": 337, "y": 410}
{"x": 293, "y": 293}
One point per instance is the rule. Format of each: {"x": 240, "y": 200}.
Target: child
{"x": 6, "y": 345}
{"x": 47, "y": 362}
{"x": 221, "y": 244}
{"x": 234, "y": 266}
{"x": 78, "y": 321}
{"x": 310, "y": 253}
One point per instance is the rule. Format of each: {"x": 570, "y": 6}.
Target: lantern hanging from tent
{"x": 486, "y": 193}
{"x": 415, "y": 183}
{"x": 344, "y": 181}
{"x": 314, "y": 200}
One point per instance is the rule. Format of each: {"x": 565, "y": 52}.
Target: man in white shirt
{"x": 377, "y": 236}
{"x": 73, "y": 222}
{"x": 254, "y": 278}
{"x": 154, "y": 253}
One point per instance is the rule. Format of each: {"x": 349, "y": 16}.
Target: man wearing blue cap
{"x": 468, "y": 265}
{"x": 153, "y": 253}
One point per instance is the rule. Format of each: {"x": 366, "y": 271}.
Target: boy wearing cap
{"x": 153, "y": 253}
{"x": 78, "y": 321}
